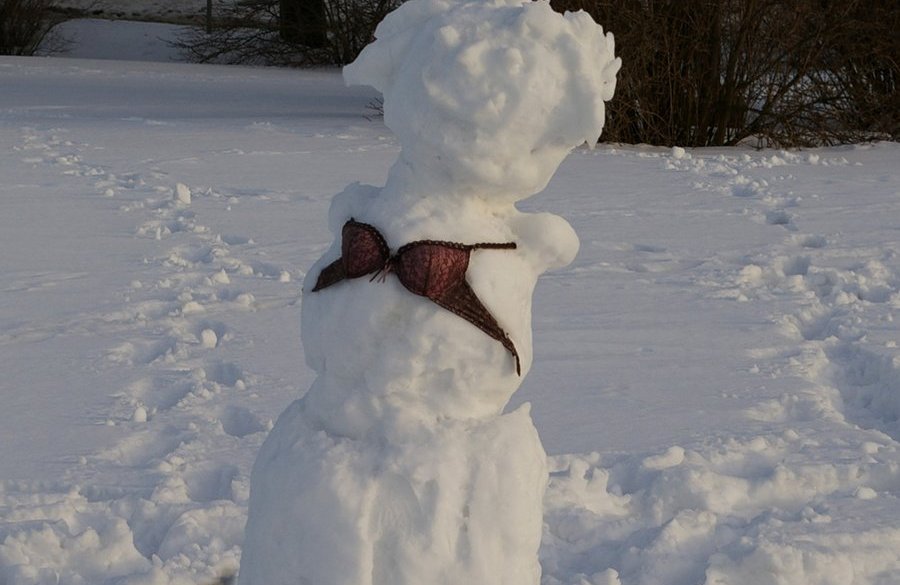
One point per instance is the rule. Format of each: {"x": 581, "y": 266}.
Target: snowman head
{"x": 489, "y": 96}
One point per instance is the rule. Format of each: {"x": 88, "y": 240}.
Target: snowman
{"x": 399, "y": 465}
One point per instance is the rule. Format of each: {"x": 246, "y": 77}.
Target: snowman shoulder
{"x": 353, "y": 201}
{"x": 547, "y": 239}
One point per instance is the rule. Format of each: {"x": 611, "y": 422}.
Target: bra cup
{"x": 363, "y": 249}
{"x": 431, "y": 269}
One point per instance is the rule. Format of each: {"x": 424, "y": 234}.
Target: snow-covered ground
{"x": 145, "y": 10}
{"x": 716, "y": 377}
{"x": 120, "y": 40}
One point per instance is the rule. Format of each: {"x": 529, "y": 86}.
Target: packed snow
{"x": 716, "y": 377}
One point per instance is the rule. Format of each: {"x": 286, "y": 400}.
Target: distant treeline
{"x": 23, "y": 25}
{"x": 287, "y": 32}
{"x": 695, "y": 72}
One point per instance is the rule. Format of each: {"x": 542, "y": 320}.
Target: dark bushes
{"x": 288, "y": 32}
{"x": 865, "y": 61}
{"x": 695, "y": 73}
{"x": 786, "y": 72}
{"x": 23, "y": 24}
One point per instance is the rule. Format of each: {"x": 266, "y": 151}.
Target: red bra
{"x": 428, "y": 268}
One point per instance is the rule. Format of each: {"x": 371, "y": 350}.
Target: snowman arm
{"x": 547, "y": 240}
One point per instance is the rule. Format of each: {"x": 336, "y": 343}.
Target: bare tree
{"x": 288, "y": 32}
{"x": 865, "y": 62}
{"x": 716, "y": 72}
{"x": 23, "y": 25}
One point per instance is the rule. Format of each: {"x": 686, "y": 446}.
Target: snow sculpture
{"x": 398, "y": 467}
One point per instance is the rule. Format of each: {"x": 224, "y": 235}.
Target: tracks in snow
{"x": 165, "y": 501}
{"x": 836, "y": 295}
{"x": 171, "y": 492}
{"x": 811, "y": 498}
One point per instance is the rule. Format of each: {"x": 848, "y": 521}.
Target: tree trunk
{"x": 303, "y": 22}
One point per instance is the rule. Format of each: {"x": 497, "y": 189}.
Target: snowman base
{"x": 458, "y": 502}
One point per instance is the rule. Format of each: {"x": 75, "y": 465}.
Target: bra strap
{"x": 493, "y": 246}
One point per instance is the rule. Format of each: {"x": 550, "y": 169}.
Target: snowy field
{"x": 120, "y": 40}
{"x": 716, "y": 377}
{"x": 179, "y": 11}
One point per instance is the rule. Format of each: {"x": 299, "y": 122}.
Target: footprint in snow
{"x": 239, "y": 422}
{"x": 743, "y": 186}
{"x": 210, "y": 482}
{"x": 162, "y": 392}
{"x": 145, "y": 447}
{"x": 780, "y": 217}
{"x": 810, "y": 241}
{"x": 868, "y": 382}
{"x": 649, "y": 248}
{"x": 145, "y": 352}
{"x": 233, "y": 240}
{"x": 226, "y": 373}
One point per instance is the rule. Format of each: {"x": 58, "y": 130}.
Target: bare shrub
{"x": 717, "y": 72}
{"x": 696, "y": 72}
{"x": 23, "y": 25}
{"x": 351, "y": 25}
{"x": 865, "y": 64}
{"x": 283, "y": 32}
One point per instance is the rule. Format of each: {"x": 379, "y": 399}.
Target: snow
{"x": 145, "y": 10}
{"x": 715, "y": 376}
{"x": 121, "y": 40}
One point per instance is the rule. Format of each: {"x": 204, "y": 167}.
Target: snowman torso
{"x": 383, "y": 352}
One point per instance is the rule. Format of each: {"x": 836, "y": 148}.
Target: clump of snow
{"x": 208, "y": 338}
{"x": 245, "y": 299}
{"x": 220, "y": 277}
{"x": 140, "y": 414}
{"x": 192, "y": 307}
{"x": 671, "y": 458}
{"x": 66, "y": 548}
{"x": 183, "y": 194}
{"x": 400, "y": 448}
